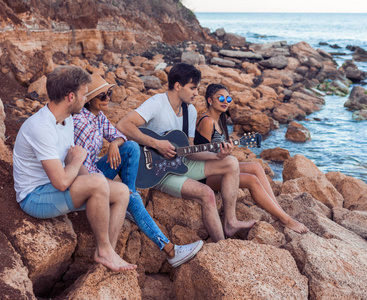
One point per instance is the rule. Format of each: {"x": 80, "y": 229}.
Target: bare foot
{"x": 230, "y": 230}
{"x": 295, "y": 226}
{"x": 113, "y": 261}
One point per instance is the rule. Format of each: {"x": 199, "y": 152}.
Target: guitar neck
{"x": 182, "y": 151}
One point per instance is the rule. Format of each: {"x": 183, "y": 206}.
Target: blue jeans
{"x": 127, "y": 170}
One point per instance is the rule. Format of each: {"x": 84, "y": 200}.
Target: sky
{"x": 312, "y": 6}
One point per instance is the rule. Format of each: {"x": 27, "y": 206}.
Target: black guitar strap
{"x": 185, "y": 125}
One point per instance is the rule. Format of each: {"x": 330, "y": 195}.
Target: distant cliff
{"x": 128, "y": 24}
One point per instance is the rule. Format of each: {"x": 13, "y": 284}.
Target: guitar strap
{"x": 185, "y": 125}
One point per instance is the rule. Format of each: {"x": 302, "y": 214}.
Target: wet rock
{"x": 357, "y": 98}
{"x": 276, "y": 154}
{"x": 360, "y": 54}
{"x": 297, "y": 132}
{"x": 101, "y": 283}
{"x": 217, "y": 273}
{"x": 336, "y": 270}
{"x": 360, "y": 115}
{"x": 352, "y": 72}
{"x": 299, "y": 166}
{"x": 278, "y": 62}
{"x": 355, "y": 221}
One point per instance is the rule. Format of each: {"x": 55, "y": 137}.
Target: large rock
{"x": 52, "y": 242}
{"x": 360, "y": 115}
{"x": 235, "y": 269}
{"x": 240, "y": 54}
{"x": 318, "y": 186}
{"x": 306, "y": 102}
{"x": 278, "y": 62}
{"x": 287, "y": 112}
{"x": 335, "y": 269}
{"x": 360, "y": 54}
{"x": 307, "y": 55}
{"x": 14, "y": 280}
{"x": 222, "y": 62}
{"x": 171, "y": 211}
{"x": 191, "y": 57}
{"x": 264, "y": 233}
{"x": 235, "y": 40}
{"x": 354, "y": 192}
{"x": 151, "y": 82}
{"x": 250, "y": 119}
{"x": 317, "y": 217}
{"x": 352, "y": 72}
{"x": 299, "y": 166}
{"x": 276, "y": 154}
{"x": 297, "y": 132}
{"x": 355, "y": 221}
{"x": 101, "y": 283}
{"x": 357, "y": 98}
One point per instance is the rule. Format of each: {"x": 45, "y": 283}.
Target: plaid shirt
{"x": 89, "y": 131}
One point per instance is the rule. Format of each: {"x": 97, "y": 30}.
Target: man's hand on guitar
{"x": 165, "y": 148}
{"x": 225, "y": 149}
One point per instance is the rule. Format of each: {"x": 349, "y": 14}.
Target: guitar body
{"x": 153, "y": 167}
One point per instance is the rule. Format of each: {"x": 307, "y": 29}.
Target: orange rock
{"x": 264, "y": 233}
{"x": 218, "y": 272}
{"x": 354, "y": 192}
{"x": 355, "y": 221}
{"x": 287, "y": 112}
{"x": 297, "y": 132}
{"x": 299, "y": 166}
{"x": 276, "y": 154}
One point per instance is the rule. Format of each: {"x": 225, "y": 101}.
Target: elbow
{"x": 61, "y": 185}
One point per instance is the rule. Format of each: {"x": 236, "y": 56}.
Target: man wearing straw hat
{"x": 49, "y": 176}
{"x": 122, "y": 158}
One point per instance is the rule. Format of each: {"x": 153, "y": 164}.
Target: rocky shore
{"x": 271, "y": 84}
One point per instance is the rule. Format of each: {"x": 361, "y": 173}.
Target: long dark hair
{"x": 210, "y": 91}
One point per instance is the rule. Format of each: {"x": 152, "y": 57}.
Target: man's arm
{"x": 129, "y": 125}
{"x": 62, "y": 178}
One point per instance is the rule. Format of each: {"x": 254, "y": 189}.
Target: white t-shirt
{"x": 160, "y": 117}
{"x": 39, "y": 138}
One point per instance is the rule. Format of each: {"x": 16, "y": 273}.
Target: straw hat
{"x": 97, "y": 86}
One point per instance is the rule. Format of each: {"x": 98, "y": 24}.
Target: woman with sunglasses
{"x": 212, "y": 127}
{"x": 122, "y": 158}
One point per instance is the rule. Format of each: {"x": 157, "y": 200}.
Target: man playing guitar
{"x": 162, "y": 113}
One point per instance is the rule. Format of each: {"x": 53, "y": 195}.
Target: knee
{"x": 100, "y": 184}
{"x": 130, "y": 147}
{"x": 252, "y": 181}
{"x": 258, "y": 169}
{"x": 208, "y": 197}
{"x": 232, "y": 163}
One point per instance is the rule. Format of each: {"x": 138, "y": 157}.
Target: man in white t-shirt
{"x": 49, "y": 177}
{"x": 162, "y": 113}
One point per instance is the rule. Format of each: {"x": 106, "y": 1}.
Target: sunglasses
{"x": 222, "y": 98}
{"x": 103, "y": 96}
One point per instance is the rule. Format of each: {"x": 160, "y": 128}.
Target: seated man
{"x": 49, "y": 177}
{"x": 162, "y": 113}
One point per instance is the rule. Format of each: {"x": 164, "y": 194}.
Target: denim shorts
{"x": 172, "y": 184}
{"x": 46, "y": 201}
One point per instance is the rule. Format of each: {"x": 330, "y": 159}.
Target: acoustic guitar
{"x": 153, "y": 167}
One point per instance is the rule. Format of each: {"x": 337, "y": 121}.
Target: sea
{"x": 338, "y": 143}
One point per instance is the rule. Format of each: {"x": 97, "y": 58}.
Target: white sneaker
{"x": 184, "y": 253}
{"x": 129, "y": 216}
